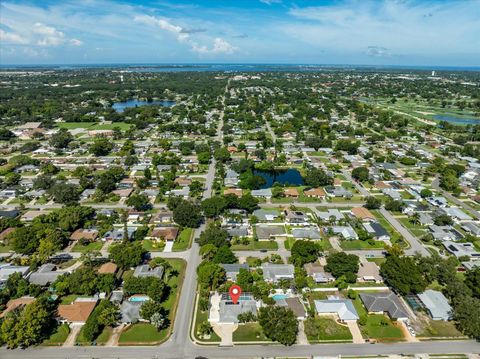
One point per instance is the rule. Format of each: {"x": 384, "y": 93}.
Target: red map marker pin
{"x": 235, "y": 292}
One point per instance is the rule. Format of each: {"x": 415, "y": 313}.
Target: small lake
{"x": 121, "y": 106}
{"x": 284, "y": 177}
{"x": 457, "y": 120}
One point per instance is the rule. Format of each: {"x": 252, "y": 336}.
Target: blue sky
{"x": 377, "y": 32}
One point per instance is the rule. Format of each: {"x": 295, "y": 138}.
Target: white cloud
{"x": 408, "y": 28}
{"x": 11, "y": 38}
{"x": 48, "y": 35}
{"x": 220, "y": 46}
{"x": 182, "y": 34}
{"x": 378, "y": 51}
{"x": 76, "y": 42}
{"x": 164, "y": 25}
{"x": 270, "y": 2}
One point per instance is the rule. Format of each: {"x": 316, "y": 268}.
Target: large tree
{"x": 403, "y": 274}
{"x": 279, "y": 324}
{"x": 340, "y": 264}
{"x": 187, "y": 214}
{"x": 304, "y": 252}
{"x": 316, "y": 177}
{"x": 127, "y": 255}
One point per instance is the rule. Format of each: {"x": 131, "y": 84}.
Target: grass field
{"x": 100, "y": 340}
{"x": 58, "y": 337}
{"x": 200, "y": 318}
{"x": 94, "y": 125}
{"x": 359, "y": 245}
{"x": 184, "y": 240}
{"x": 249, "y": 332}
{"x": 92, "y": 246}
{"x": 153, "y": 246}
{"x": 439, "y": 328}
{"x": 256, "y": 245}
{"x": 330, "y": 330}
{"x": 141, "y": 334}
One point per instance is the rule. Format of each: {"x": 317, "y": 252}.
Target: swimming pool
{"x": 138, "y": 299}
{"x": 279, "y": 296}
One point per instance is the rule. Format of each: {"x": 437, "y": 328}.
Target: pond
{"x": 121, "y": 106}
{"x": 284, "y": 177}
{"x": 457, "y": 120}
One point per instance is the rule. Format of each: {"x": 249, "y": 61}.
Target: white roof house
{"x": 342, "y": 307}
{"x": 347, "y": 232}
{"x": 436, "y": 304}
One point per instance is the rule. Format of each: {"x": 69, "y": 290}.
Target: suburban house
{"x": 436, "y": 304}
{"x": 45, "y": 275}
{"x": 13, "y": 304}
{"x": 315, "y": 193}
{"x": 306, "y": 233}
{"x": 376, "y": 230}
{"x": 232, "y": 270}
{"x": 144, "y": 270}
{"x": 267, "y": 232}
{"x": 262, "y": 193}
{"x": 343, "y": 308}
{"x": 223, "y": 310}
{"x": 384, "y": 302}
{"x": 276, "y": 272}
{"x": 369, "y": 272}
{"x": 6, "y": 270}
{"x": 461, "y": 249}
{"x": 295, "y": 305}
{"x": 317, "y": 272}
{"x": 331, "y": 214}
{"x": 266, "y": 215}
{"x": 76, "y": 312}
{"x": 291, "y": 193}
{"x": 363, "y": 214}
{"x": 168, "y": 234}
{"x": 89, "y": 234}
{"x": 346, "y": 232}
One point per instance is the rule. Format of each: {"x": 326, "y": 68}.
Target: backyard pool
{"x": 138, "y": 298}
{"x": 276, "y": 297}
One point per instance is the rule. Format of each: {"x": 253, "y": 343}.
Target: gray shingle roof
{"x": 386, "y": 302}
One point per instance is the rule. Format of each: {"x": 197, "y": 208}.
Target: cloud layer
{"x": 275, "y": 31}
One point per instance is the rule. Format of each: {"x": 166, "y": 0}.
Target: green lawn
{"x": 141, "y": 334}
{"x": 153, "y": 246}
{"x": 68, "y": 299}
{"x": 249, "y": 332}
{"x": 92, "y": 246}
{"x": 256, "y": 245}
{"x": 373, "y": 328}
{"x": 58, "y": 337}
{"x": 330, "y": 330}
{"x": 289, "y": 243}
{"x": 184, "y": 240}
{"x": 94, "y": 125}
{"x": 5, "y": 248}
{"x": 104, "y": 336}
{"x": 100, "y": 340}
{"x": 376, "y": 330}
{"x": 439, "y": 328}
{"x": 379, "y": 261}
{"x": 200, "y": 318}
{"x": 359, "y": 245}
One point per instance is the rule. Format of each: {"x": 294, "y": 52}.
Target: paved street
{"x": 174, "y": 350}
{"x": 451, "y": 198}
{"x": 415, "y": 244}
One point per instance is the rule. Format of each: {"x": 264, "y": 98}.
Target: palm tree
{"x": 415, "y": 218}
